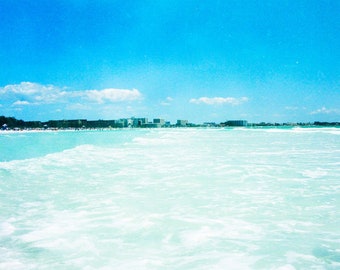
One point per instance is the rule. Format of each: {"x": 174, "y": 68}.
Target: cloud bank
{"x": 111, "y": 95}
{"x": 324, "y": 110}
{"x": 219, "y": 100}
{"x": 28, "y": 93}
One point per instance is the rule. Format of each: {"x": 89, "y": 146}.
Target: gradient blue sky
{"x": 274, "y": 61}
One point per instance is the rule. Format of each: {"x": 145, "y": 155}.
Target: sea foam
{"x": 173, "y": 199}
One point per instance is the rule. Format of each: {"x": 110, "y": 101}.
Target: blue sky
{"x": 275, "y": 61}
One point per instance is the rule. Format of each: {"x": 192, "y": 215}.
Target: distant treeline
{"x": 327, "y": 123}
{"x": 316, "y": 123}
{"x": 12, "y": 123}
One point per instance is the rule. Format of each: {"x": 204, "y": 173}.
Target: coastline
{"x": 49, "y": 130}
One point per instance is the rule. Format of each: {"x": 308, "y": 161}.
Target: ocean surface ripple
{"x": 171, "y": 199}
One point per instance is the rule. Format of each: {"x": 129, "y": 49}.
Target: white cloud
{"x": 291, "y": 108}
{"x": 167, "y": 101}
{"x": 33, "y": 93}
{"x": 324, "y": 110}
{"x": 25, "y": 88}
{"x": 19, "y": 102}
{"x": 111, "y": 95}
{"x": 219, "y": 100}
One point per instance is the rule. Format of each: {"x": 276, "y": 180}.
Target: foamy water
{"x": 171, "y": 199}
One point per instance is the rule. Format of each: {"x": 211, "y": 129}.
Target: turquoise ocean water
{"x": 170, "y": 199}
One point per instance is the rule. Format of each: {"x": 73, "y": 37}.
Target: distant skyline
{"x": 274, "y": 61}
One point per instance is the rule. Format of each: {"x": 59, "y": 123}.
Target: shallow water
{"x": 170, "y": 199}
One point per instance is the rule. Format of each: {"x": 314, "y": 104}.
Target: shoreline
{"x": 41, "y": 130}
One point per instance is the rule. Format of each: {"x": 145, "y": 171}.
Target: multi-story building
{"x": 182, "y": 123}
{"x": 236, "y": 123}
{"x": 139, "y": 122}
{"x": 159, "y": 122}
